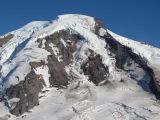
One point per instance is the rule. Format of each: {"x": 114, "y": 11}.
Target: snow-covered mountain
{"x": 73, "y": 68}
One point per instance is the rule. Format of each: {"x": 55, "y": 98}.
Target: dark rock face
{"x": 66, "y": 50}
{"x": 120, "y": 51}
{"x": 37, "y": 64}
{"x": 95, "y": 69}
{"x": 27, "y": 91}
{"x": 59, "y": 77}
{"x": 5, "y": 39}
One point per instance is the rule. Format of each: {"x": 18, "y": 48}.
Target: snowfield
{"x": 82, "y": 100}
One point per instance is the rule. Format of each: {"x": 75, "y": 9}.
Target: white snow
{"x": 12, "y": 102}
{"x": 56, "y": 52}
{"x": 63, "y": 42}
{"x": 20, "y": 36}
{"x": 102, "y": 32}
{"x": 43, "y": 43}
{"x": 15, "y": 55}
{"x": 43, "y": 70}
{"x": 4, "y": 110}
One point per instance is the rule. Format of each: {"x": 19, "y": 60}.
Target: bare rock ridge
{"x": 5, "y": 39}
{"x": 52, "y": 57}
{"x": 95, "y": 69}
{"x": 27, "y": 91}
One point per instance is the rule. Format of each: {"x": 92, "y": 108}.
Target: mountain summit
{"x": 73, "y": 68}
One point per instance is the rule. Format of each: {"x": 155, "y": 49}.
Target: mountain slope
{"x": 74, "y": 68}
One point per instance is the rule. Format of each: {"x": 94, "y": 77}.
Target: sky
{"x": 135, "y": 19}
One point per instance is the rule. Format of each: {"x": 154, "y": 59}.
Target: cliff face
{"x": 55, "y": 55}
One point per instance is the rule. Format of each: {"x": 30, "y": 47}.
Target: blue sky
{"x": 136, "y": 19}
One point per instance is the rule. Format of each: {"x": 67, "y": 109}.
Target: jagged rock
{"x": 5, "y": 39}
{"x": 95, "y": 69}
{"x": 58, "y": 74}
{"x": 27, "y": 91}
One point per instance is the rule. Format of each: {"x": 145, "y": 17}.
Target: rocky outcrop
{"x": 65, "y": 41}
{"x": 120, "y": 51}
{"x": 95, "y": 69}
{"x": 5, "y": 39}
{"x": 26, "y": 91}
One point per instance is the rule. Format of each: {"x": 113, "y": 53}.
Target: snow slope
{"x": 113, "y": 101}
